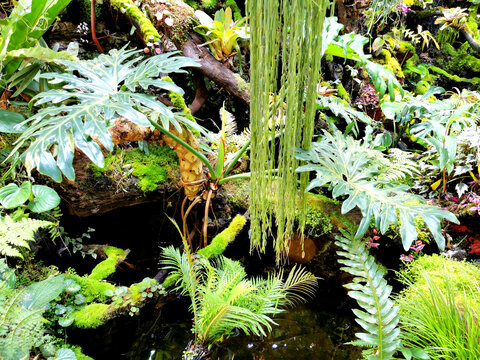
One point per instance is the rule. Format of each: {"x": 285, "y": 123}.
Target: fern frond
{"x": 401, "y": 167}
{"x": 15, "y": 234}
{"x": 300, "y": 284}
{"x": 379, "y": 317}
{"x": 344, "y": 164}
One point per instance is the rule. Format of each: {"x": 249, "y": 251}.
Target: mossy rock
{"x": 91, "y": 316}
{"x": 108, "y": 266}
{"x": 152, "y": 169}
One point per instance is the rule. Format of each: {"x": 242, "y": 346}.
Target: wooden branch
{"x": 176, "y": 22}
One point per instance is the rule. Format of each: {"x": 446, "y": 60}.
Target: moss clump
{"x": 331, "y": 210}
{"x": 107, "y": 267}
{"x": 92, "y": 290}
{"x": 456, "y": 78}
{"x": 463, "y": 275}
{"x": 460, "y": 59}
{"x": 241, "y": 83}
{"x": 317, "y": 222}
{"x": 342, "y": 93}
{"x": 209, "y": 5}
{"x": 391, "y": 63}
{"x": 91, "y": 316}
{"x": 79, "y": 353}
{"x": 152, "y": 169}
{"x": 148, "y": 30}
{"x": 221, "y": 241}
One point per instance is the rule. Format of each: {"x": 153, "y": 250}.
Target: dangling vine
{"x": 286, "y": 41}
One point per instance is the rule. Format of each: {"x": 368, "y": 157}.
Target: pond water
{"x": 317, "y": 330}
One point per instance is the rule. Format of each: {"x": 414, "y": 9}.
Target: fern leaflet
{"x": 379, "y": 317}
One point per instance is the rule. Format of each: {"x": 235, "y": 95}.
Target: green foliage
{"x": 352, "y": 169}
{"x": 27, "y": 22}
{"x": 220, "y": 242}
{"x": 222, "y": 33}
{"x": 91, "y": 316}
{"x": 107, "y": 267}
{"x": 293, "y": 109}
{"x": 41, "y": 198}
{"x": 104, "y": 89}
{"x": 21, "y": 323}
{"x": 152, "y": 167}
{"x": 379, "y": 317}
{"x": 223, "y": 299}
{"x": 16, "y": 234}
{"x": 149, "y": 31}
{"x": 440, "y": 308}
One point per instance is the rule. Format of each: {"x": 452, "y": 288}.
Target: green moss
{"x": 472, "y": 21}
{"x": 463, "y": 275}
{"x": 92, "y": 290}
{"x": 169, "y": 281}
{"x": 456, "y": 78}
{"x": 237, "y": 14}
{"x": 460, "y": 59}
{"x": 341, "y": 92}
{"x": 192, "y": 3}
{"x": 237, "y": 193}
{"x": 331, "y": 210}
{"x": 107, "y": 267}
{"x": 91, "y": 316}
{"x": 152, "y": 169}
{"x": 241, "y": 83}
{"x": 391, "y": 63}
{"x": 209, "y": 5}
{"x": 149, "y": 31}
{"x": 79, "y": 353}
{"x": 421, "y": 87}
{"x": 221, "y": 241}
{"x": 317, "y": 222}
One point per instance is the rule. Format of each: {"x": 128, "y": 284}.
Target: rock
{"x": 301, "y": 254}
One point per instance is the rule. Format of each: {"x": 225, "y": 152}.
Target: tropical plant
{"x": 352, "y": 168}
{"x": 379, "y": 317}
{"x": 21, "y": 322}
{"x": 80, "y": 112}
{"x": 16, "y": 234}
{"x": 223, "y": 299}
{"x": 440, "y": 319}
{"x": 27, "y": 22}
{"x": 222, "y": 33}
{"x": 452, "y": 18}
{"x": 40, "y": 198}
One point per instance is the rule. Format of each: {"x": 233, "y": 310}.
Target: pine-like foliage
{"x": 224, "y": 299}
{"x": 284, "y": 34}
{"x": 94, "y": 93}
{"x": 379, "y": 317}
{"x": 15, "y": 234}
{"x": 352, "y": 169}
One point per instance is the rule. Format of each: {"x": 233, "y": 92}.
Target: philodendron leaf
{"x": 9, "y": 120}
{"x": 44, "y": 199}
{"x": 12, "y": 196}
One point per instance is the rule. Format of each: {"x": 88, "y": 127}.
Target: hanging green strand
{"x": 285, "y": 42}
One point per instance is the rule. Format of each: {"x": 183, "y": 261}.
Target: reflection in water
{"x": 302, "y": 333}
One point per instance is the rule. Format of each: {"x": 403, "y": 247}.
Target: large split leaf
{"x": 352, "y": 169}
{"x": 103, "y": 90}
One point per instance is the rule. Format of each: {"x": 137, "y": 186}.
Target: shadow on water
{"x": 315, "y": 331}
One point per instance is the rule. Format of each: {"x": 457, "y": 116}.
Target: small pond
{"x": 316, "y": 330}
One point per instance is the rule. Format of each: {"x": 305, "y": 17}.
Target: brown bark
{"x": 179, "y": 29}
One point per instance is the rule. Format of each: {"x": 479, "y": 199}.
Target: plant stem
{"x": 198, "y": 154}
{"x": 92, "y": 25}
